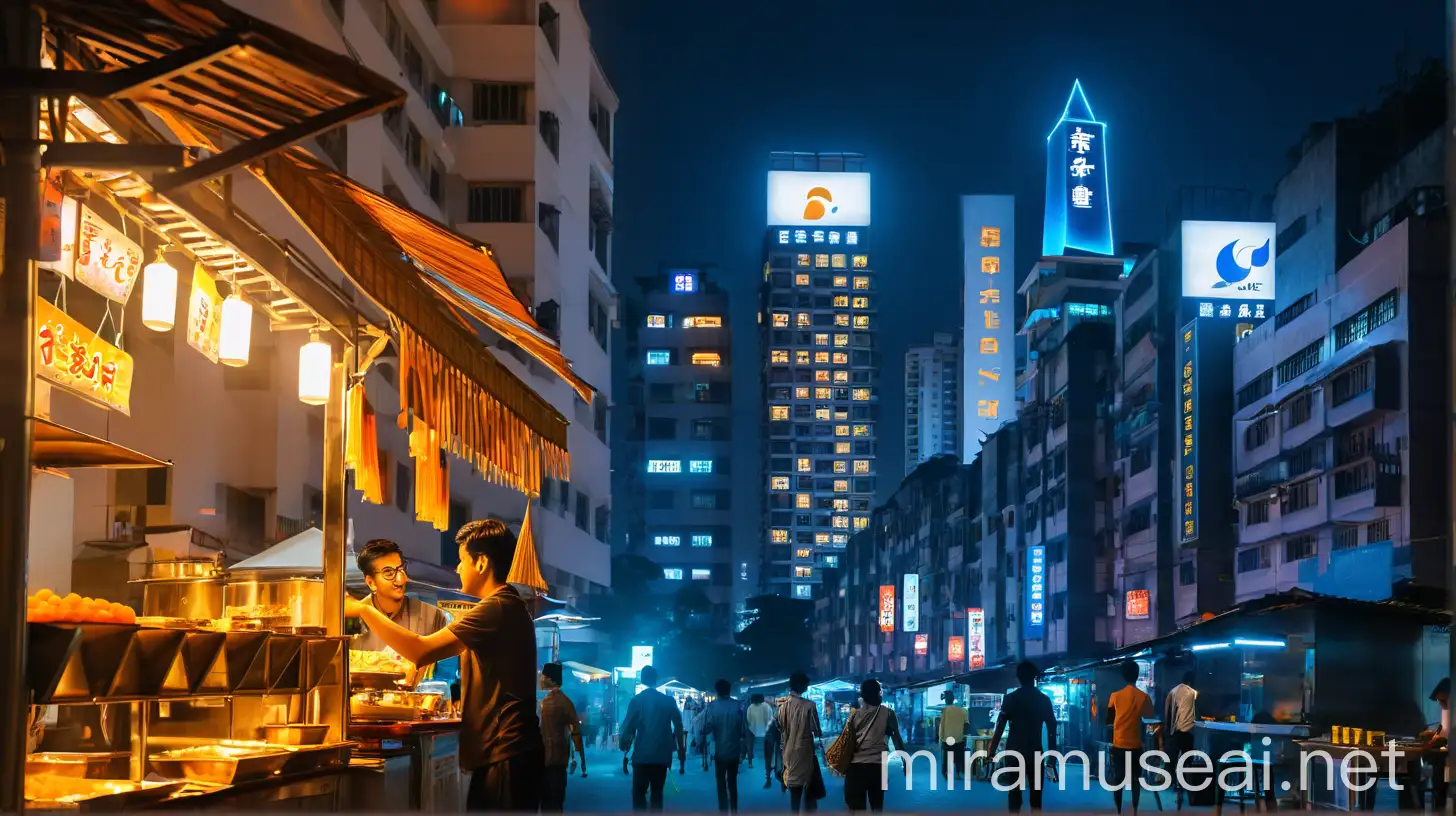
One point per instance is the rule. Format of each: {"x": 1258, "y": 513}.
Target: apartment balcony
{"x": 1142, "y": 483}
{"x": 1371, "y": 383}
{"x": 1361, "y": 492}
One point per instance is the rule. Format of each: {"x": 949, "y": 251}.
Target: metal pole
{"x": 1450, "y": 339}
{"x": 336, "y": 527}
{"x": 19, "y": 130}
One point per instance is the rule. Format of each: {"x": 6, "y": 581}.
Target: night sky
{"x": 954, "y": 101}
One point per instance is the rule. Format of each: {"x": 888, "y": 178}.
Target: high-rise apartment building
{"x": 677, "y": 490}
{"x": 932, "y": 400}
{"x": 818, "y": 313}
{"x": 988, "y": 324}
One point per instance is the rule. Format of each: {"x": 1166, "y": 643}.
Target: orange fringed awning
{"x": 526, "y": 566}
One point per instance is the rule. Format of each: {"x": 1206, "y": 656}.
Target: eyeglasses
{"x": 391, "y": 573}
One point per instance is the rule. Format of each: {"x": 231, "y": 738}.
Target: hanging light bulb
{"x": 236, "y": 332}
{"x": 315, "y": 370}
{"x": 159, "y": 295}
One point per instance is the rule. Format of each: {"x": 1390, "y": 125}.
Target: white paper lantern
{"x": 236, "y": 332}
{"x": 315, "y": 371}
{"x": 159, "y": 295}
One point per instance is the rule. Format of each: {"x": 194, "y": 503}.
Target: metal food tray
{"x": 307, "y": 758}
{"x": 376, "y": 680}
{"x": 101, "y": 795}
{"x": 231, "y": 765}
{"x": 76, "y": 765}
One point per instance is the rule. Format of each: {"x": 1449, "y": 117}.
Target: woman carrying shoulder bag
{"x": 871, "y": 725}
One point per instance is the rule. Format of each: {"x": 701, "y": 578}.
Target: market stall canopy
{"x": 222, "y": 79}
{"x": 833, "y": 686}
{"x": 586, "y": 673}
{"x": 302, "y": 553}
{"x": 59, "y": 447}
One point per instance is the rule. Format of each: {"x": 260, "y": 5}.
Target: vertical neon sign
{"x": 1188, "y": 431}
{"x": 1035, "y": 591}
{"x": 1078, "y": 213}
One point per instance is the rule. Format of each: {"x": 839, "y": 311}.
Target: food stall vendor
{"x": 385, "y": 573}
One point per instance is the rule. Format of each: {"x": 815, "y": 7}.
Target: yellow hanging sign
{"x": 73, "y": 357}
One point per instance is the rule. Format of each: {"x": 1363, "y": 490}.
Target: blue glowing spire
{"x": 1078, "y": 212}
{"x": 1077, "y": 109}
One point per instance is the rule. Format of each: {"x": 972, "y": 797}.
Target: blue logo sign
{"x": 1232, "y": 272}
{"x": 1035, "y": 592}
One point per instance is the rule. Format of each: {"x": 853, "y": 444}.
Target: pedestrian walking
{"x": 952, "y": 734}
{"x": 798, "y": 721}
{"x": 651, "y": 730}
{"x": 758, "y": 716}
{"x": 1126, "y": 709}
{"x": 1180, "y": 715}
{"x": 1026, "y": 711}
{"x": 729, "y": 729}
{"x": 560, "y": 728}
{"x": 773, "y": 751}
{"x": 872, "y": 726}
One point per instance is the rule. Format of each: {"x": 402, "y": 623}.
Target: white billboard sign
{"x": 641, "y": 657}
{"x": 912, "y": 603}
{"x": 818, "y": 199}
{"x": 1228, "y": 260}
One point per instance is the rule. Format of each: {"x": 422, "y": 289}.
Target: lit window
{"x": 842, "y": 319}
{"x": 803, "y": 501}
{"x": 840, "y": 281}
{"x": 708, "y": 322}
{"x": 822, "y": 393}
{"x": 861, "y": 303}
{"x": 685, "y": 282}
{"x": 821, "y": 356}
{"x": 821, "y": 339}
{"x": 821, "y": 375}
{"x": 801, "y": 236}
{"x": 861, "y": 522}
{"x": 837, "y": 261}
{"x": 841, "y": 414}
{"x": 666, "y": 541}
{"x": 861, "y": 321}
{"x": 841, "y": 340}
{"x": 702, "y": 540}
{"x": 781, "y": 320}
{"x": 821, "y": 261}
{"x": 861, "y": 261}
{"x": 861, "y": 466}
{"x": 990, "y": 236}
{"x": 841, "y": 505}
{"x": 841, "y": 358}
{"x": 707, "y": 358}
{"x": 804, "y": 319}
{"x": 803, "y": 259}
{"x": 801, "y": 357}
{"x": 672, "y": 573}
{"x": 657, "y": 321}
{"x": 801, "y": 279}
{"x": 779, "y": 483}
{"x": 664, "y": 466}
{"x": 831, "y": 561}
{"x": 783, "y": 236}
{"x": 804, "y": 464}
{"x": 851, "y": 237}
{"x": 700, "y": 466}
{"x": 778, "y": 413}
{"x": 861, "y": 430}
{"x": 841, "y": 466}
{"x": 991, "y": 264}
{"x": 779, "y": 536}
{"x": 840, "y": 539}
{"x": 821, "y": 413}
{"x": 841, "y": 485}
{"x": 779, "y": 356}
{"x": 803, "y": 572}
{"x": 841, "y": 522}
{"x": 841, "y": 301}
{"x": 841, "y": 430}
{"x": 841, "y": 448}
{"x": 861, "y": 394}
{"x": 659, "y": 357}
{"x": 802, "y": 392}
{"x": 804, "y": 552}
{"x": 803, "y": 591}
{"x": 702, "y": 574}
{"x": 841, "y": 376}
{"x": 821, "y": 538}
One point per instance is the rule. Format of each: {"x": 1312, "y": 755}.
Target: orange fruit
{"x": 72, "y": 599}
{"x": 44, "y": 595}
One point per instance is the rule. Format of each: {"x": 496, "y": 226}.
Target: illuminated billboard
{"x": 912, "y": 603}
{"x": 887, "y": 608}
{"x": 1137, "y": 604}
{"x": 956, "y": 649}
{"x": 1035, "y": 592}
{"x": 818, "y": 199}
{"x": 1188, "y": 431}
{"x": 1228, "y": 268}
{"x": 988, "y": 239}
{"x": 1078, "y": 212}
{"x": 976, "y": 636}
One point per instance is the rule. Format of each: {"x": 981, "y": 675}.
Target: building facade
{"x": 818, "y": 313}
{"x": 932, "y": 401}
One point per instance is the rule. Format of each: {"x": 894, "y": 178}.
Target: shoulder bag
{"x": 841, "y": 754}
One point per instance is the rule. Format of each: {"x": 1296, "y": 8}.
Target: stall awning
{"x": 591, "y": 672}
{"x": 59, "y": 447}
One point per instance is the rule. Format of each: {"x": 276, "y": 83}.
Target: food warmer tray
{"x": 222, "y": 764}
{"x": 50, "y": 792}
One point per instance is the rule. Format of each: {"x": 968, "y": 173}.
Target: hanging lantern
{"x": 315, "y": 370}
{"x": 159, "y": 295}
{"x": 237, "y": 331}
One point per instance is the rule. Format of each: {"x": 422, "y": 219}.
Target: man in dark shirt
{"x": 560, "y": 727}
{"x": 1027, "y": 710}
{"x": 652, "y": 728}
{"x": 731, "y": 741}
{"x": 500, "y": 737}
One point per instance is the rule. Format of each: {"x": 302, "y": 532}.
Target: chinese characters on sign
{"x": 1078, "y": 214}
{"x": 684, "y": 282}
{"x": 70, "y": 355}
{"x": 1035, "y": 591}
{"x": 1188, "y": 431}
{"x": 887, "y": 608}
{"x": 988, "y": 316}
{"x": 1137, "y": 604}
{"x": 976, "y": 636}
{"x": 1243, "y": 311}
{"x": 107, "y": 261}
{"x": 204, "y": 314}
{"x": 922, "y": 644}
{"x": 912, "y": 603}
{"x": 956, "y": 651}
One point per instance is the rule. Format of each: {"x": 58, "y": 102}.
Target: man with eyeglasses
{"x": 385, "y": 574}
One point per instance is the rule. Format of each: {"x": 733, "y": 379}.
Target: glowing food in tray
{"x": 361, "y": 661}
{"x": 46, "y": 606}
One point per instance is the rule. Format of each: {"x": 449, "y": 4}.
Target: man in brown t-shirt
{"x": 500, "y": 737}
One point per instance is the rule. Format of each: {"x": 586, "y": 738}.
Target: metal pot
{"x": 276, "y": 602}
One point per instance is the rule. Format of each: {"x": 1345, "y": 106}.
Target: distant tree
{"x": 779, "y": 638}
{"x": 630, "y": 614}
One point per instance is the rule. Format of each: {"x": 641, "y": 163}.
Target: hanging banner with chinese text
{"x": 912, "y": 603}
{"x": 1035, "y": 584}
{"x": 71, "y": 356}
{"x": 976, "y": 636}
{"x": 107, "y": 261}
{"x": 65, "y": 262}
{"x": 956, "y": 650}
{"x": 204, "y": 314}
{"x": 887, "y": 608}
{"x": 922, "y": 645}
{"x": 1188, "y": 431}
{"x": 988, "y": 242}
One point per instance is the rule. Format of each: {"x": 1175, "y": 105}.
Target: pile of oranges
{"x": 48, "y": 607}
